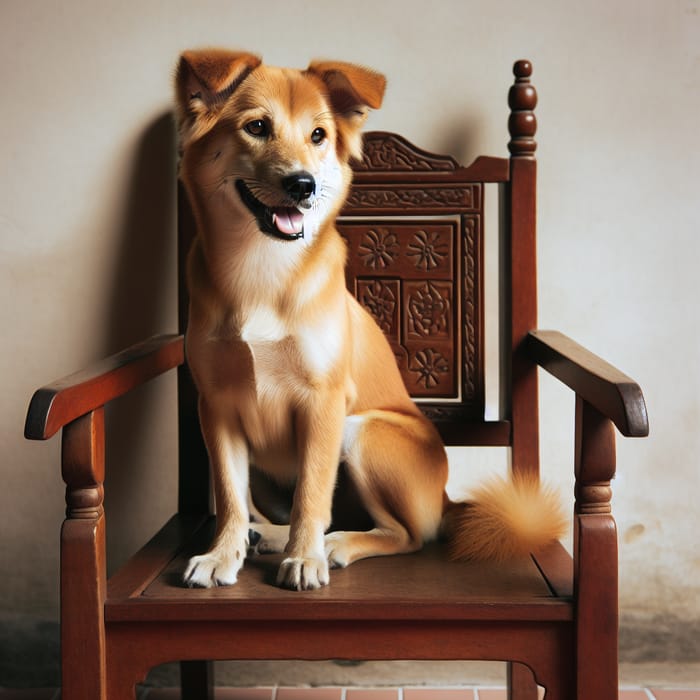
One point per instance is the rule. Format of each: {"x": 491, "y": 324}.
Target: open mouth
{"x": 286, "y": 223}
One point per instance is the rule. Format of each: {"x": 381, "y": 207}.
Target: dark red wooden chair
{"x": 414, "y": 224}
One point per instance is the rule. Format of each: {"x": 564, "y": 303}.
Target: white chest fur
{"x": 263, "y": 325}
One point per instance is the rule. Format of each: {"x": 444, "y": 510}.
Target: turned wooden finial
{"x": 522, "y": 124}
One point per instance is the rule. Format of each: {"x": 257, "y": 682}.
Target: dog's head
{"x": 271, "y": 146}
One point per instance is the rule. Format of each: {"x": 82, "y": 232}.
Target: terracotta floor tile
{"x": 437, "y": 694}
{"x": 372, "y": 694}
{"x": 491, "y": 694}
{"x": 633, "y": 695}
{"x": 676, "y": 694}
{"x": 220, "y": 694}
{"x": 244, "y": 694}
{"x": 309, "y": 693}
{"x": 500, "y": 694}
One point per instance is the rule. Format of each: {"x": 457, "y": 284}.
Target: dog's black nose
{"x": 299, "y": 186}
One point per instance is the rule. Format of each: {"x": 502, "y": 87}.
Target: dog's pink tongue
{"x": 288, "y": 220}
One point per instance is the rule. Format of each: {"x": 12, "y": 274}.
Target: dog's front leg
{"x": 319, "y": 427}
{"x": 228, "y": 453}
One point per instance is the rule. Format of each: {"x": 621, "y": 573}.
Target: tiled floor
{"x": 353, "y": 694}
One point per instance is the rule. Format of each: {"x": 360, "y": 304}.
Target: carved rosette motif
{"x": 380, "y": 299}
{"x": 379, "y": 248}
{"x": 428, "y": 249}
{"x": 429, "y": 309}
{"x": 429, "y": 365}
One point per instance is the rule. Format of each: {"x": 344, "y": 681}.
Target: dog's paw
{"x": 337, "y": 550}
{"x": 213, "y": 569}
{"x": 303, "y": 573}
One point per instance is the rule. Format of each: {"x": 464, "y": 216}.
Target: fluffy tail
{"x": 504, "y": 519}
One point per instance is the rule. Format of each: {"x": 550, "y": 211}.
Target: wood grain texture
{"x": 595, "y": 554}
{"x": 521, "y": 683}
{"x": 83, "y": 561}
{"x": 61, "y": 402}
{"x": 522, "y": 300}
{"x": 613, "y": 393}
{"x": 420, "y": 586}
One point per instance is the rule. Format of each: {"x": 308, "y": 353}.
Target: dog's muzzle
{"x": 285, "y": 223}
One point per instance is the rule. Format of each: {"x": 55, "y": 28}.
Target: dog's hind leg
{"x": 399, "y": 468}
{"x": 267, "y": 538}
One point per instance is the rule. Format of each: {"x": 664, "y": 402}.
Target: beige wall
{"x": 86, "y": 230}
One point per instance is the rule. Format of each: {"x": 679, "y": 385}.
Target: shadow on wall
{"x": 144, "y": 266}
{"x": 141, "y": 302}
{"x": 30, "y": 655}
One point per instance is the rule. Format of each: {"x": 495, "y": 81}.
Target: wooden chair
{"x": 414, "y": 224}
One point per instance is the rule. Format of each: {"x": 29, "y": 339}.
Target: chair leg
{"x": 197, "y": 680}
{"x": 595, "y": 557}
{"x": 122, "y": 680}
{"x": 521, "y": 683}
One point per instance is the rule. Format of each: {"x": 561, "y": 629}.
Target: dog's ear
{"x": 351, "y": 90}
{"x": 205, "y": 78}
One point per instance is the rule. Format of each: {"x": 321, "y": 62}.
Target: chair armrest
{"x": 61, "y": 402}
{"x": 608, "y": 390}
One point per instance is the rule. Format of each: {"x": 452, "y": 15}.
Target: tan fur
{"x": 293, "y": 375}
{"x": 505, "y": 519}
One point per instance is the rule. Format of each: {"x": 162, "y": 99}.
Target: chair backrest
{"x": 414, "y": 224}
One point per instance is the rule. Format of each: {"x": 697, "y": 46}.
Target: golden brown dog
{"x": 294, "y": 376}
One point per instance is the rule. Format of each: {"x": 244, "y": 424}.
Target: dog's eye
{"x": 258, "y": 127}
{"x": 318, "y": 135}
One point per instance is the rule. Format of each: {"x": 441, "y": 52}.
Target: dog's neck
{"x": 250, "y": 270}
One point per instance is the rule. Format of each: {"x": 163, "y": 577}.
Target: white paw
{"x": 303, "y": 573}
{"x": 337, "y": 550}
{"x": 214, "y": 568}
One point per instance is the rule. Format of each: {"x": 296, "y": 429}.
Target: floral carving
{"x": 428, "y": 311}
{"x": 429, "y": 365}
{"x": 393, "y": 153}
{"x": 379, "y": 248}
{"x": 428, "y": 250}
{"x": 380, "y": 301}
{"x": 459, "y": 198}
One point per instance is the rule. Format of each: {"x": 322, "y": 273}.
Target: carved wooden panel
{"x": 418, "y": 279}
{"x": 418, "y": 198}
{"x": 413, "y": 225}
{"x": 383, "y": 151}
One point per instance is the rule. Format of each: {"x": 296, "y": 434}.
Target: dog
{"x": 294, "y": 376}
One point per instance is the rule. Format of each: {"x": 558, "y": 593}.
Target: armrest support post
{"x": 83, "y": 465}
{"x": 595, "y": 552}
{"x": 594, "y": 462}
{"x": 83, "y": 559}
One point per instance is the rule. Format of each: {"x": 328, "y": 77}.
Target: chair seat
{"x": 420, "y": 586}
